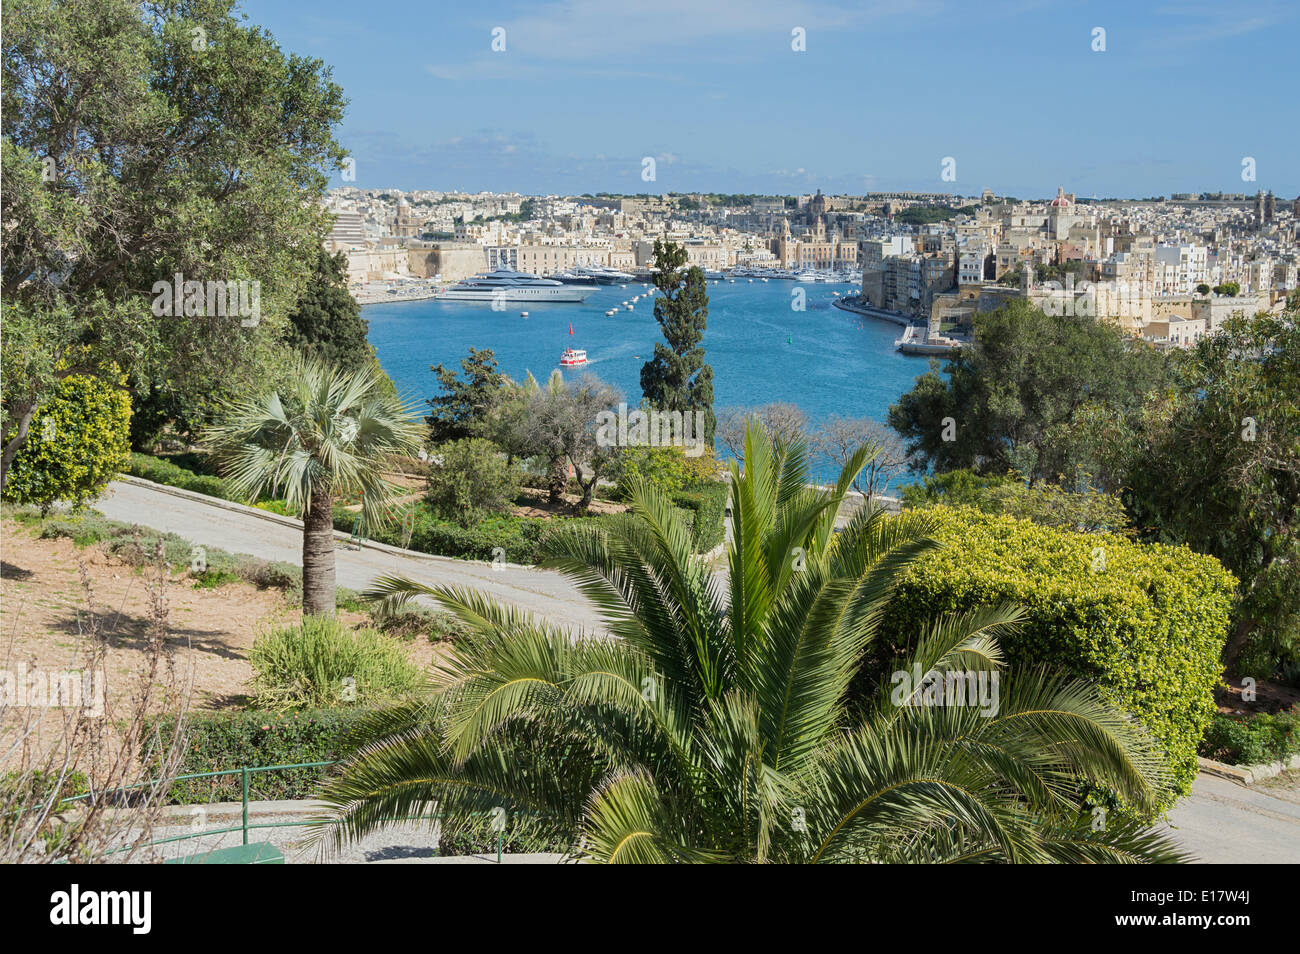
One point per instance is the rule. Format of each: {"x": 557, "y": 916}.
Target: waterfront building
{"x": 1143, "y": 259}
{"x": 404, "y": 223}
{"x": 348, "y": 232}
{"x": 815, "y": 249}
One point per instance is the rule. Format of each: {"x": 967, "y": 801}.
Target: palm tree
{"x": 717, "y": 722}
{"x": 330, "y": 435}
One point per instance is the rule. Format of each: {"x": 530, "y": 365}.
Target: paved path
{"x": 231, "y": 528}
{"x": 1222, "y": 822}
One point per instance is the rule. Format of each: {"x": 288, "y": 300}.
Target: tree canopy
{"x": 455, "y": 412}
{"x": 1217, "y": 466}
{"x": 142, "y": 142}
{"x": 1011, "y": 400}
{"x": 327, "y": 322}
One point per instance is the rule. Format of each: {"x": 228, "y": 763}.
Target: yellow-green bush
{"x": 322, "y": 664}
{"x": 1144, "y": 622}
{"x": 78, "y": 440}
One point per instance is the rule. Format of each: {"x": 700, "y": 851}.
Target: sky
{"x": 1021, "y": 96}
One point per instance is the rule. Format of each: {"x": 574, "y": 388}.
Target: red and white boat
{"x": 572, "y": 358}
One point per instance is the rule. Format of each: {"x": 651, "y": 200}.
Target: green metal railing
{"x": 244, "y": 827}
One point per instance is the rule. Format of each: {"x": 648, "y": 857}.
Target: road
{"x": 1225, "y": 823}
{"x": 543, "y": 592}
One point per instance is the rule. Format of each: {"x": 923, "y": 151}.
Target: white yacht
{"x": 505, "y": 286}
{"x": 593, "y": 275}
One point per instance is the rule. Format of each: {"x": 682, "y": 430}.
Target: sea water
{"x": 823, "y": 359}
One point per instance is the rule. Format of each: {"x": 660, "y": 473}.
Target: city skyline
{"x": 1020, "y": 98}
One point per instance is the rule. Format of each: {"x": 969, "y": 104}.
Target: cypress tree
{"x": 677, "y": 378}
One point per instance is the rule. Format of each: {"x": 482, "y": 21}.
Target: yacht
{"x": 593, "y": 275}
{"x": 504, "y": 285}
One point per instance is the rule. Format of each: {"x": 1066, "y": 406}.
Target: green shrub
{"x": 473, "y": 479}
{"x": 197, "y": 463}
{"x": 707, "y": 503}
{"x": 39, "y": 785}
{"x": 322, "y": 664}
{"x": 415, "y": 620}
{"x": 1044, "y": 504}
{"x": 1144, "y": 622}
{"x": 162, "y": 471}
{"x": 225, "y": 740}
{"x": 78, "y": 440}
{"x": 211, "y": 579}
{"x": 667, "y": 468}
{"x": 955, "y": 488}
{"x": 25, "y": 797}
{"x": 1250, "y": 741}
{"x": 517, "y": 537}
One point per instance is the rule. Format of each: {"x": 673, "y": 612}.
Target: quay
{"x": 916, "y": 338}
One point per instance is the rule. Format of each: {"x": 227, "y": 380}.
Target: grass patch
{"x": 212, "y": 579}
{"x": 349, "y": 601}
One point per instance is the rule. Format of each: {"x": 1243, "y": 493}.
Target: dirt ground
{"x": 541, "y": 508}
{"x": 44, "y": 606}
{"x": 1285, "y": 786}
{"x": 1270, "y": 697}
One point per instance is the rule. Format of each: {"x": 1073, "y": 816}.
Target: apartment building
{"x": 1178, "y": 269}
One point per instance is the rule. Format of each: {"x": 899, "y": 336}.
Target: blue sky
{"x": 883, "y": 92}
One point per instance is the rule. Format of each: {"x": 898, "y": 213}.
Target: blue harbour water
{"x": 823, "y": 359}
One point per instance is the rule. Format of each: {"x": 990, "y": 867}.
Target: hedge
{"x": 226, "y": 740}
{"x": 519, "y": 537}
{"x": 162, "y": 471}
{"x": 166, "y": 470}
{"x": 1144, "y": 622}
{"x": 707, "y": 502}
